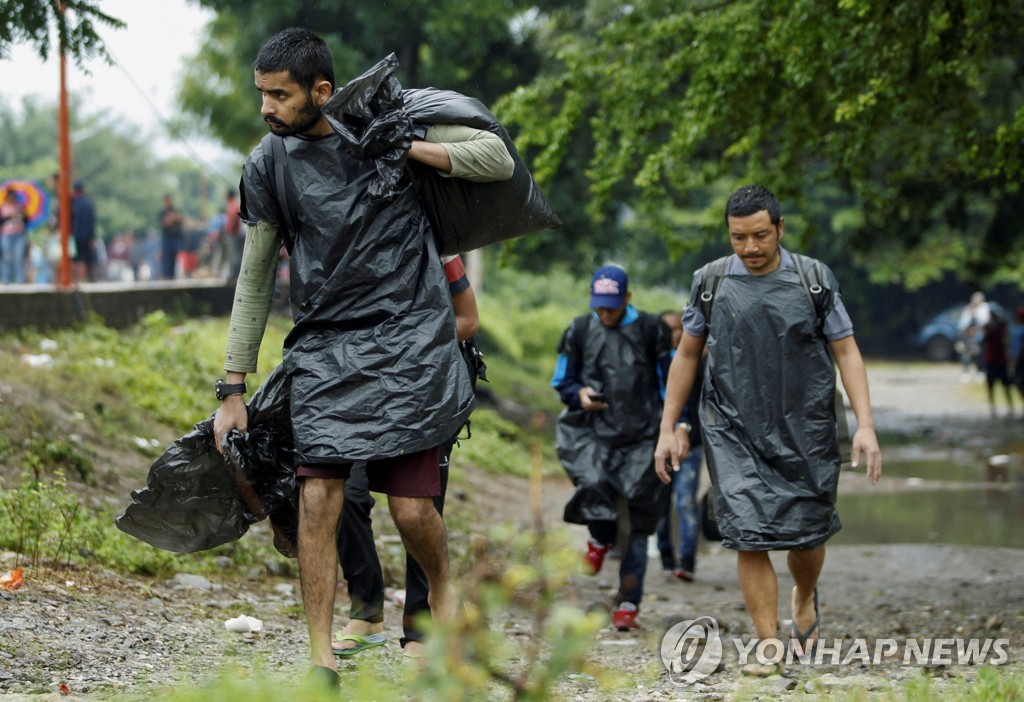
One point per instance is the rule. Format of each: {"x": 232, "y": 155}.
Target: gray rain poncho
{"x": 611, "y": 453}
{"x": 373, "y": 358}
{"x": 768, "y": 415}
{"x": 372, "y": 368}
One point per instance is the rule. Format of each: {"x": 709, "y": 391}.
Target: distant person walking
{"x": 12, "y": 240}
{"x": 171, "y": 226}
{"x": 1017, "y": 352}
{"x": 683, "y": 505}
{"x": 83, "y": 231}
{"x": 996, "y": 359}
{"x": 233, "y": 238}
{"x": 970, "y": 328}
{"x": 610, "y": 375}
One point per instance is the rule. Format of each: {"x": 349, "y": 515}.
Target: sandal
{"x": 763, "y": 670}
{"x": 361, "y": 643}
{"x": 801, "y": 636}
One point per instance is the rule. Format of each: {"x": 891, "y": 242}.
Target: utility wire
{"x": 166, "y": 123}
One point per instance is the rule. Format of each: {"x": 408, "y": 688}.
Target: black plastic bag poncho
{"x": 768, "y": 416}
{"x": 610, "y": 453}
{"x": 373, "y": 358}
{"x": 196, "y": 499}
{"x": 377, "y": 119}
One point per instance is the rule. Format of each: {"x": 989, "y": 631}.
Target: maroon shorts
{"x": 412, "y": 475}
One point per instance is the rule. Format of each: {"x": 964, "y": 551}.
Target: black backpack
{"x": 649, "y": 325}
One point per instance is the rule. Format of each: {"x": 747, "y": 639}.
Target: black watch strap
{"x": 224, "y": 389}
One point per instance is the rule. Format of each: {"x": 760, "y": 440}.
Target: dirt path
{"x": 97, "y": 633}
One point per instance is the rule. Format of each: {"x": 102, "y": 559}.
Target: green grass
{"x": 374, "y": 681}
{"x": 156, "y": 378}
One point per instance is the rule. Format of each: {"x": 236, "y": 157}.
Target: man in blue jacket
{"x": 610, "y": 374}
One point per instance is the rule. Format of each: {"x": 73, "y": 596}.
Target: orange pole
{"x": 64, "y": 193}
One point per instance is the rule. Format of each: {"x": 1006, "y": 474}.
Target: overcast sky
{"x": 140, "y": 87}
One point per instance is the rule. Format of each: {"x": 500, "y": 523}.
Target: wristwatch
{"x": 685, "y": 425}
{"x": 223, "y": 389}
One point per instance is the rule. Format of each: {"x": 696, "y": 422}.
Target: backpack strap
{"x": 579, "y": 335}
{"x": 651, "y": 326}
{"x": 273, "y": 146}
{"x": 711, "y": 278}
{"x": 811, "y": 278}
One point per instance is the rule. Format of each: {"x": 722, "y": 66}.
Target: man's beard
{"x": 305, "y": 120}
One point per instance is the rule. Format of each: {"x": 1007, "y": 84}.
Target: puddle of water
{"x": 982, "y": 517}
{"x": 936, "y": 469}
{"x": 926, "y": 504}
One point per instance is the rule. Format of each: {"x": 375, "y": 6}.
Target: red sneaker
{"x": 683, "y": 574}
{"x": 624, "y": 618}
{"x": 593, "y": 559}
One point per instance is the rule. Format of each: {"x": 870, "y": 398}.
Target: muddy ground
{"x": 99, "y": 633}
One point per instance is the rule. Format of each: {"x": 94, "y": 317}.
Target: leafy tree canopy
{"x": 481, "y": 48}
{"x": 914, "y": 109}
{"x": 32, "y": 20}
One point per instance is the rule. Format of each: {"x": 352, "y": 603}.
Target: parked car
{"x": 937, "y": 338}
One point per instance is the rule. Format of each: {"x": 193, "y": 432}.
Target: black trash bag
{"x": 196, "y": 499}
{"x": 708, "y": 525}
{"x": 368, "y": 115}
{"x": 769, "y": 428}
{"x": 602, "y": 470}
{"x": 464, "y": 215}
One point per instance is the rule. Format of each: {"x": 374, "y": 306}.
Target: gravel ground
{"x": 100, "y": 633}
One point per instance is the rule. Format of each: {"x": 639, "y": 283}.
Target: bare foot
{"x": 443, "y": 605}
{"x": 414, "y": 655}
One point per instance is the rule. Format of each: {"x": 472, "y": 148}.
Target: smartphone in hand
{"x": 598, "y": 397}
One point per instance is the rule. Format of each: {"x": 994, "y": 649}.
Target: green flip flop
{"x": 361, "y": 643}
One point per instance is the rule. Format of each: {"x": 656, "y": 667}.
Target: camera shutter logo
{"x": 692, "y": 650}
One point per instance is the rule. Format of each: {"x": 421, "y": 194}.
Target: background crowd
{"x": 177, "y": 245}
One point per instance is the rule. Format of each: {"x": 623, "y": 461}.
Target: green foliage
{"x": 65, "y": 455}
{"x": 125, "y": 180}
{"x": 990, "y": 685}
{"x": 46, "y": 522}
{"x": 38, "y": 519}
{"x": 41, "y": 449}
{"x": 498, "y": 445}
{"x": 472, "y": 657}
{"x": 914, "y": 109}
{"x": 32, "y": 21}
{"x": 161, "y": 366}
{"x": 216, "y": 87}
{"x": 469, "y": 47}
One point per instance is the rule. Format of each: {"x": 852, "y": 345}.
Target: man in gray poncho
{"x": 373, "y": 362}
{"x": 767, "y": 412}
